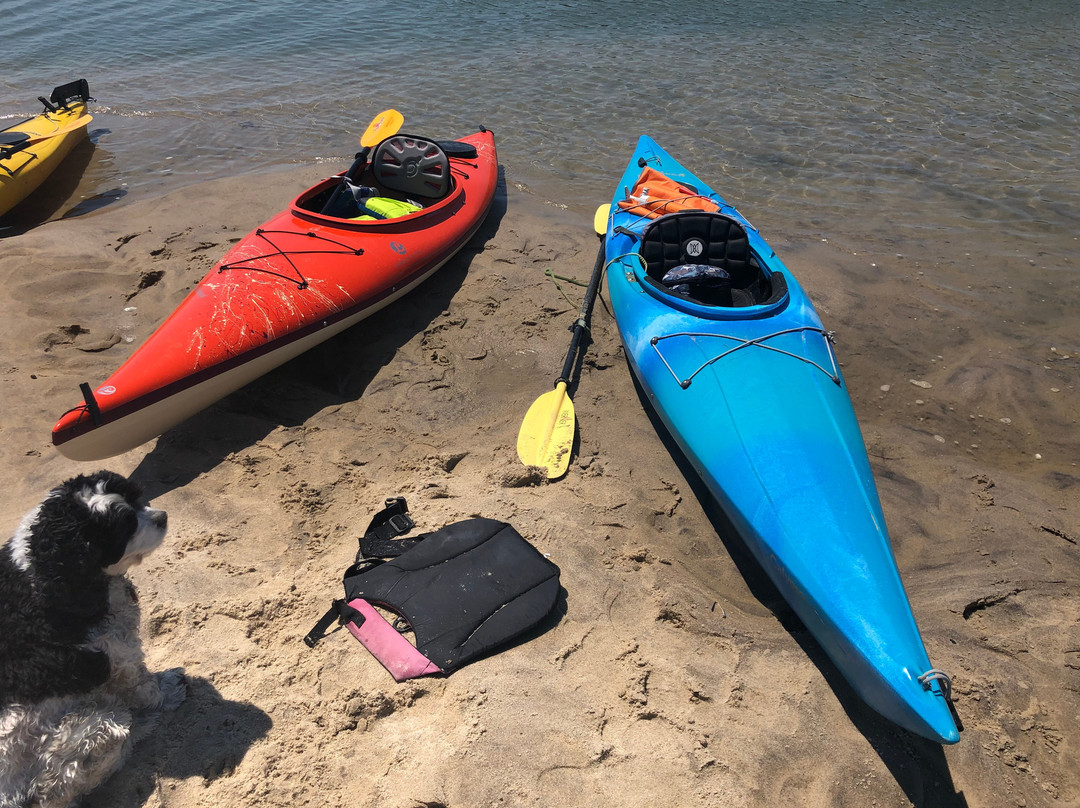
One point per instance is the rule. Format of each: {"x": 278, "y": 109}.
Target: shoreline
{"x": 675, "y": 673}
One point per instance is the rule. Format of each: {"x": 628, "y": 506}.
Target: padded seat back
{"x": 714, "y": 239}
{"x": 412, "y": 166}
{"x": 77, "y": 90}
{"x": 698, "y": 238}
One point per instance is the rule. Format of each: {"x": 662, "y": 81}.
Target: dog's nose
{"x": 159, "y": 519}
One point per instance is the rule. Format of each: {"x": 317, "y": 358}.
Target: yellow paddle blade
{"x": 599, "y": 222}
{"x": 78, "y": 123}
{"x": 382, "y": 126}
{"x": 547, "y": 433}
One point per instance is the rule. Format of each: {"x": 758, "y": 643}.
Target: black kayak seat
{"x": 77, "y": 90}
{"x": 705, "y": 238}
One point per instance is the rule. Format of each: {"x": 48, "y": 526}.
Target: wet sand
{"x": 673, "y": 673}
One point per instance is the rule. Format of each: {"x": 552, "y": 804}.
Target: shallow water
{"x": 944, "y": 127}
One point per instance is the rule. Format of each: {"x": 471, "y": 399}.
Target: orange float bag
{"x": 655, "y": 194}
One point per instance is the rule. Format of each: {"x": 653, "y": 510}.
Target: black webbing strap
{"x": 378, "y": 542}
{"x": 340, "y": 611}
{"x": 380, "y": 539}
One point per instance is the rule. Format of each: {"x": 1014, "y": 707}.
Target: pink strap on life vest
{"x": 397, "y": 654}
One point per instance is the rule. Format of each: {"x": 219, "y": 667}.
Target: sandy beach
{"x": 672, "y": 674}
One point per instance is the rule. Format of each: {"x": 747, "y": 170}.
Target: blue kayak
{"x": 735, "y": 360}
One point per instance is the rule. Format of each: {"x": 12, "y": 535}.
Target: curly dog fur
{"x": 74, "y": 689}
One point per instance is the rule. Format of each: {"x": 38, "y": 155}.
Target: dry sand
{"x": 674, "y": 675}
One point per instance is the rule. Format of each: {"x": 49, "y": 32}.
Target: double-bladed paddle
{"x": 382, "y": 126}
{"x": 546, "y": 437}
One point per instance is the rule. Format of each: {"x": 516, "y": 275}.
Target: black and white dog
{"x": 74, "y": 689}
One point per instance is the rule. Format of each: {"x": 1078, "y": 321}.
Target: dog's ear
{"x": 119, "y": 484}
{"x": 101, "y": 510}
{"x": 110, "y": 530}
{"x": 119, "y": 522}
{"x": 109, "y": 482}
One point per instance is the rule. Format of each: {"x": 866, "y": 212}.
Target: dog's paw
{"x": 174, "y": 687}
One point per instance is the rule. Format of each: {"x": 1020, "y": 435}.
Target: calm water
{"x": 938, "y": 121}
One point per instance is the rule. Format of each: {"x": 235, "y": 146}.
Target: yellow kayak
{"x": 30, "y": 151}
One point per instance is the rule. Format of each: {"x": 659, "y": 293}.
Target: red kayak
{"x": 341, "y": 251}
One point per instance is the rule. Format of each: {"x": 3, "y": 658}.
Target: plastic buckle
{"x": 401, "y": 523}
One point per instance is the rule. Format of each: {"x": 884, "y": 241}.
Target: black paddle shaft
{"x": 353, "y": 173}
{"x": 582, "y": 322}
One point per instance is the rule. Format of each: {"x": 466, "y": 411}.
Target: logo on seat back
{"x": 694, "y": 248}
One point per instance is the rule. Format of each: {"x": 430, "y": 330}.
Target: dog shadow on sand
{"x": 207, "y": 737}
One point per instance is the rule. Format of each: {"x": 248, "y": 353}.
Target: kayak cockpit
{"x": 706, "y": 258}
{"x": 403, "y": 176}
